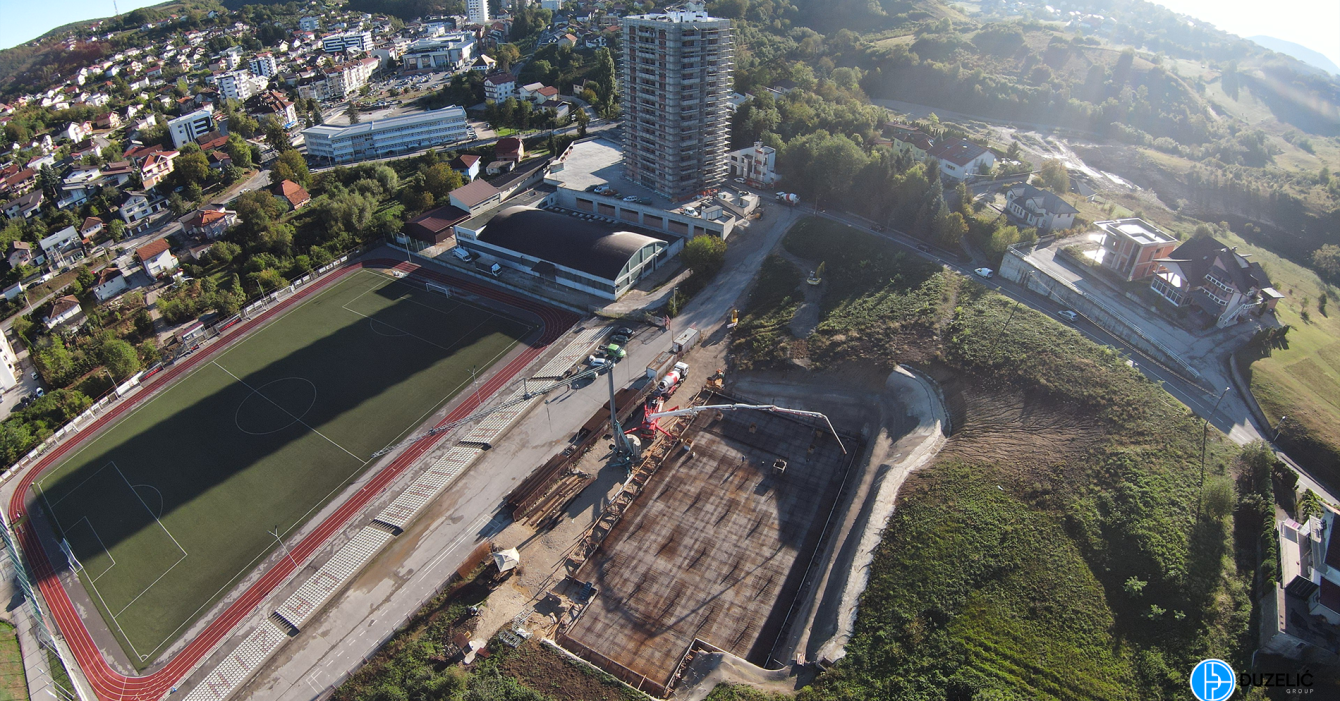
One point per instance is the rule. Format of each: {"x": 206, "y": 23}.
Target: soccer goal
{"x": 69, "y": 556}
{"x": 441, "y": 289}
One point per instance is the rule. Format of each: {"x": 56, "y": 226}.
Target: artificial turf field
{"x": 168, "y": 508}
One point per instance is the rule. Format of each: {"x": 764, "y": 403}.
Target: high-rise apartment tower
{"x": 477, "y": 11}
{"x": 676, "y": 83}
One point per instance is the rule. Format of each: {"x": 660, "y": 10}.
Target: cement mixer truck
{"x": 672, "y": 379}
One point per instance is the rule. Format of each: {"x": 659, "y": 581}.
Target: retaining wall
{"x": 1018, "y": 269}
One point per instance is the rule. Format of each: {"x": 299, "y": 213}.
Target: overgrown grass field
{"x": 1070, "y": 551}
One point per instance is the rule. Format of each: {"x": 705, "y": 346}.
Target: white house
{"x": 1300, "y": 616}
{"x": 962, "y": 160}
{"x": 65, "y": 312}
{"x": 135, "y": 207}
{"x": 1030, "y": 206}
{"x": 62, "y": 247}
{"x": 109, "y": 283}
{"x": 499, "y": 86}
{"x": 756, "y": 164}
{"x": 156, "y": 258}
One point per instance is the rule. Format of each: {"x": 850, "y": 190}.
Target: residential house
{"x": 499, "y": 167}
{"x": 117, "y": 173}
{"x": 292, "y": 193}
{"x": 1300, "y": 615}
{"x": 466, "y": 164}
{"x": 138, "y": 152}
{"x": 21, "y": 182}
{"x": 66, "y": 314}
{"x": 77, "y": 131}
{"x": 567, "y": 40}
{"x": 483, "y": 64}
{"x": 136, "y": 205}
{"x": 111, "y": 120}
{"x": 756, "y": 164}
{"x": 273, "y": 105}
{"x": 156, "y": 258}
{"x": 91, "y": 227}
{"x": 155, "y": 167}
{"x": 108, "y": 283}
{"x": 1132, "y": 247}
{"x": 475, "y": 197}
{"x": 1215, "y": 281}
{"x": 24, "y": 205}
{"x": 559, "y": 107}
{"x": 962, "y": 160}
{"x": 85, "y": 148}
{"x": 78, "y": 186}
{"x": 536, "y": 93}
{"x": 499, "y": 86}
{"x": 20, "y": 253}
{"x": 1026, "y": 205}
{"x": 63, "y": 247}
{"x": 209, "y": 223}
{"x": 509, "y": 148}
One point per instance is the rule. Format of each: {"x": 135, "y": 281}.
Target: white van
{"x": 462, "y": 254}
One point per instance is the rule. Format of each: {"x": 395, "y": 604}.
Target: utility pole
{"x": 1204, "y": 437}
{"x": 1006, "y": 325}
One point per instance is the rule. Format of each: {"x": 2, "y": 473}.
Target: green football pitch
{"x": 168, "y": 508}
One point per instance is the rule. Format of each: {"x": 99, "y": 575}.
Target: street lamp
{"x": 288, "y": 552}
{"x": 1279, "y": 428}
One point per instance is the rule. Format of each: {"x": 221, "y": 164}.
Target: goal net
{"x": 69, "y": 555}
{"x": 441, "y": 289}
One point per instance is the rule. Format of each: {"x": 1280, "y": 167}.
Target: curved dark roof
{"x": 591, "y": 247}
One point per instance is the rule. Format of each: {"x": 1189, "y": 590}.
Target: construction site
{"x": 732, "y": 511}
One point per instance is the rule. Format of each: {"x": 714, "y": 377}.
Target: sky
{"x": 1312, "y": 23}
{"x": 25, "y": 20}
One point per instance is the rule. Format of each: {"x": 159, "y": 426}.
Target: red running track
{"x": 111, "y": 685}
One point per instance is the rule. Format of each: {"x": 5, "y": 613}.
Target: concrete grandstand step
{"x": 428, "y": 486}
{"x": 574, "y": 352}
{"x": 322, "y": 587}
{"x": 494, "y": 424}
{"x": 241, "y": 663}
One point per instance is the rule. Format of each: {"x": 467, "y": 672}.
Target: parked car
{"x": 923, "y": 248}
{"x": 985, "y": 272}
{"x": 33, "y": 374}
{"x": 619, "y": 339}
{"x": 739, "y": 181}
{"x": 614, "y": 352}
{"x": 1067, "y": 315}
{"x": 624, "y": 331}
{"x": 462, "y": 254}
{"x": 40, "y": 392}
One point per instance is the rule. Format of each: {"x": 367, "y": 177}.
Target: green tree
{"x": 352, "y": 112}
{"x": 223, "y": 252}
{"x": 606, "y": 79}
{"x": 120, "y": 359}
{"x": 190, "y": 168}
{"x": 1054, "y": 176}
{"x": 292, "y": 166}
{"x": 239, "y": 150}
{"x": 704, "y": 255}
